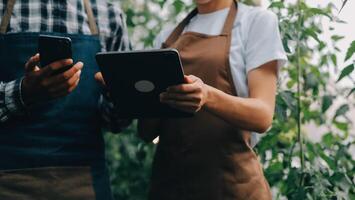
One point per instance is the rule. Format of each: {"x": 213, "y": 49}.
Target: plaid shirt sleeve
{"x": 117, "y": 42}
{"x": 11, "y": 103}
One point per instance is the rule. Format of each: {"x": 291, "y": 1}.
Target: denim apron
{"x": 57, "y": 148}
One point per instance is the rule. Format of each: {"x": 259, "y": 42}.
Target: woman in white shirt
{"x": 231, "y": 54}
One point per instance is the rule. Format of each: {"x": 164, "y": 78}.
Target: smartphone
{"x": 54, "y": 48}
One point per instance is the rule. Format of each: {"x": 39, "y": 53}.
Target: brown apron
{"x": 48, "y": 183}
{"x": 205, "y": 157}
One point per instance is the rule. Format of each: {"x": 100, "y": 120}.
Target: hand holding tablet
{"x": 135, "y": 80}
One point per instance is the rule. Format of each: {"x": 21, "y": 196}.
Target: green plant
{"x": 296, "y": 166}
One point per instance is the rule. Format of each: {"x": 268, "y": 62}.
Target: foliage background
{"x": 295, "y": 166}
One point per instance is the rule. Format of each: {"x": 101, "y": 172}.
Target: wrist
{"x": 21, "y": 93}
{"x": 209, "y": 97}
{"x": 25, "y": 95}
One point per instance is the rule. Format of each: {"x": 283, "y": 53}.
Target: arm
{"x": 254, "y": 113}
{"x": 37, "y": 86}
{"x": 110, "y": 119}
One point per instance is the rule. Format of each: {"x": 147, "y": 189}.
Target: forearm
{"x": 148, "y": 129}
{"x": 250, "y": 114}
{"x": 110, "y": 119}
{"x": 11, "y": 103}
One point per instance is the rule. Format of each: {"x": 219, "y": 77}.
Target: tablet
{"x": 135, "y": 80}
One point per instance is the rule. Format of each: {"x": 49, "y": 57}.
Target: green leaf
{"x": 319, "y": 11}
{"x": 351, "y": 51}
{"x": 286, "y": 47}
{"x": 342, "y": 6}
{"x": 312, "y": 33}
{"x": 341, "y": 125}
{"x": 179, "y": 5}
{"x": 311, "y": 81}
{"x": 289, "y": 100}
{"x": 328, "y": 159}
{"x": 280, "y": 112}
{"x": 333, "y": 57}
{"x": 328, "y": 139}
{"x": 277, "y": 4}
{"x": 337, "y": 38}
{"x": 352, "y": 91}
{"x": 346, "y": 71}
{"x": 342, "y": 110}
{"x": 327, "y": 102}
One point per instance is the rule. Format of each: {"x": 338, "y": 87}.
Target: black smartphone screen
{"x": 54, "y": 48}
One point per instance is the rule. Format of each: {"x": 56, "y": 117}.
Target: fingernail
{"x": 81, "y": 64}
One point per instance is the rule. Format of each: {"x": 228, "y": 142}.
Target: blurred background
{"x": 310, "y": 151}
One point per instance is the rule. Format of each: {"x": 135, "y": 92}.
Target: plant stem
{"x": 299, "y": 103}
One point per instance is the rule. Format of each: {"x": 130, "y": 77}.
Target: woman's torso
{"x": 242, "y": 58}
{"x": 205, "y": 157}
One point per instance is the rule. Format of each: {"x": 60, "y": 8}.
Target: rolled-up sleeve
{"x": 11, "y": 103}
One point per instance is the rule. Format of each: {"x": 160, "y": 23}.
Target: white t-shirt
{"x": 256, "y": 41}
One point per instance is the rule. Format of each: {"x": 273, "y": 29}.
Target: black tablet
{"x": 135, "y": 80}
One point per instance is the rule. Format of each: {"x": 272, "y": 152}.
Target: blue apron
{"x": 60, "y": 133}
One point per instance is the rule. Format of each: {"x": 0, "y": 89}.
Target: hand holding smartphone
{"x": 55, "y": 77}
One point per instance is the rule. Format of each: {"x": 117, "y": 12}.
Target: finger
{"x": 37, "y": 69}
{"x": 190, "y": 79}
{"x": 31, "y": 64}
{"x": 51, "y": 68}
{"x": 100, "y": 79}
{"x": 184, "y": 88}
{"x": 60, "y": 78}
{"x": 67, "y": 85}
{"x": 184, "y": 106}
{"x": 61, "y": 63}
{"x": 166, "y": 96}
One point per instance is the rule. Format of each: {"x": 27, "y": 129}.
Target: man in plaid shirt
{"x": 51, "y": 123}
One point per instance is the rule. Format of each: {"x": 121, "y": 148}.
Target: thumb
{"x": 190, "y": 79}
{"x": 99, "y": 78}
{"x": 32, "y": 63}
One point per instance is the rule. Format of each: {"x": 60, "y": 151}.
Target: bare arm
{"x": 254, "y": 113}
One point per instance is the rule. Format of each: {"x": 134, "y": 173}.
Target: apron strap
{"x": 92, "y": 23}
{"x": 228, "y": 25}
{"x": 7, "y": 16}
{"x": 179, "y": 29}
{"x": 10, "y": 7}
